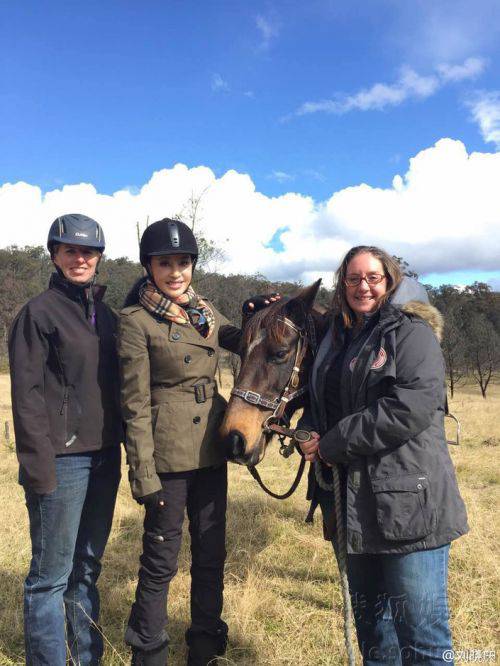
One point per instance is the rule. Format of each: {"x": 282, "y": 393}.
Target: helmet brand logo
{"x": 78, "y": 233}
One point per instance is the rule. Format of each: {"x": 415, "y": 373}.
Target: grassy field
{"x": 282, "y": 600}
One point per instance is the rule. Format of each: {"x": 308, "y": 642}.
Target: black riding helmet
{"x": 167, "y": 237}
{"x": 75, "y": 229}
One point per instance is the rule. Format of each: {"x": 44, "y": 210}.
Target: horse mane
{"x": 271, "y": 319}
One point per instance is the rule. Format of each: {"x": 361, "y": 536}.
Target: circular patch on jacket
{"x": 353, "y": 363}
{"x": 380, "y": 360}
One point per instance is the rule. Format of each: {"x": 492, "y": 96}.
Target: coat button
{"x": 187, "y": 358}
{"x": 419, "y": 486}
{"x": 210, "y": 352}
{"x": 196, "y": 419}
{"x": 176, "y": 336}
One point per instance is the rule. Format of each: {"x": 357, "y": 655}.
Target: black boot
{"x": 156, "y": 657}
{"x": 204, "y": 648}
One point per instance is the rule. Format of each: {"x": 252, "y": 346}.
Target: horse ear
{"x": 300, "y": 304}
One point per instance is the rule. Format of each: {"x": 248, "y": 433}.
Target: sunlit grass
{"x": 282, "y": 598}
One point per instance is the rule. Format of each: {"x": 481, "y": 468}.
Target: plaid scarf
{"x": 188, "y": 308}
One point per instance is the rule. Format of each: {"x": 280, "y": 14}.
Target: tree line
{"x": 25, "y": 272}
{"x": 471, "y": 341}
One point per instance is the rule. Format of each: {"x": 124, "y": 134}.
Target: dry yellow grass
{"x": 282, "y": 600}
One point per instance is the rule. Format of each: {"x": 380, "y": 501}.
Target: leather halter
{"x": 291, "y": 390}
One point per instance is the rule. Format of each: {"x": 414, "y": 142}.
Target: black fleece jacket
{"x": 64, "y": 379}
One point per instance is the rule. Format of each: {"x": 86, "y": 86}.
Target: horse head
{"x": 275, "y": 341}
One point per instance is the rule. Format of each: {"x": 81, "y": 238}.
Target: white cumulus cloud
{"x": 441, "y": 215}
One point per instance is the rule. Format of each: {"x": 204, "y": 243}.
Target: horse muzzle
{"x": 236, "y": 445}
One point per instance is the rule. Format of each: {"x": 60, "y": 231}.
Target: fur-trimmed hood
{"x": 411, "y": 297}
{"x": 428, "y": 313}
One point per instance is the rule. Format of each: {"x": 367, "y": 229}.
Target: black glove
{"x": 152, "y": 501}
{"x": 258, "y": 303}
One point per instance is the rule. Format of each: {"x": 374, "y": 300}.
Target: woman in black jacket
{"x": 65, "y": 403}
{"x": 377, "y": 412}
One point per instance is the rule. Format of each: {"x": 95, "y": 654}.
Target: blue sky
{"x": 309, "y": 98}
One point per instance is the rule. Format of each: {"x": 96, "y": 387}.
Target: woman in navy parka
{"x": 377, "y": 412}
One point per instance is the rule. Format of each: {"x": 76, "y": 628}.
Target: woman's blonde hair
{"x": 392, "y": 271}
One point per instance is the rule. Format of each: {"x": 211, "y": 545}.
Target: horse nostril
{"x": 235, "y": 445}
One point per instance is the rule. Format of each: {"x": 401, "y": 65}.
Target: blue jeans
{"x": 400, "y": 607}
{"x": 69, "y": 529}
{"x": 399, "y": 603}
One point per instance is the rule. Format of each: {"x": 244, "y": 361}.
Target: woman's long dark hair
{"x": 392, "y": 272}
{"x": 132, "y": 298}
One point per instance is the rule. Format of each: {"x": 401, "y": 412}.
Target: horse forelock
{"x": 259, "y": 337}
{"x": 268, "y": 320}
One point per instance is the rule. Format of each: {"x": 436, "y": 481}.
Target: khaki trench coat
{"x": 171, "y": 406}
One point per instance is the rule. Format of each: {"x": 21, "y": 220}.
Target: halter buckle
{"x": 252, "y": 397}
{"x": 301, "y": 436}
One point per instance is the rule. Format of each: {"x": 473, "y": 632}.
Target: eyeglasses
{"x": 370, "y": 279}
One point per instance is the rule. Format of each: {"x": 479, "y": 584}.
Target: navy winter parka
{"x": 400, "y": 491}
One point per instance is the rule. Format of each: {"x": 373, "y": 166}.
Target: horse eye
{"x": 279, "y": 355}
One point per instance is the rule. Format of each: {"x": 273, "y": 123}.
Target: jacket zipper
{"x": 64, "y": 410}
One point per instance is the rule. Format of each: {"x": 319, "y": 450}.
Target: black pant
{"x": 204, "y": 493}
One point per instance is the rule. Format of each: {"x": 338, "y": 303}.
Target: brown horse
{"x": 278, "y": 348}
{"x": 275, "y": 341}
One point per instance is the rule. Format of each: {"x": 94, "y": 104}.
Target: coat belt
{"x": 165, "y": 393}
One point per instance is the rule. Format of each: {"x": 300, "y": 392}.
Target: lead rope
{"x": 253, "y": 471}
{"x": 340, "y": 549}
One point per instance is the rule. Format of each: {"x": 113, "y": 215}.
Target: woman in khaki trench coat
{"x": 169, "y": 346}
